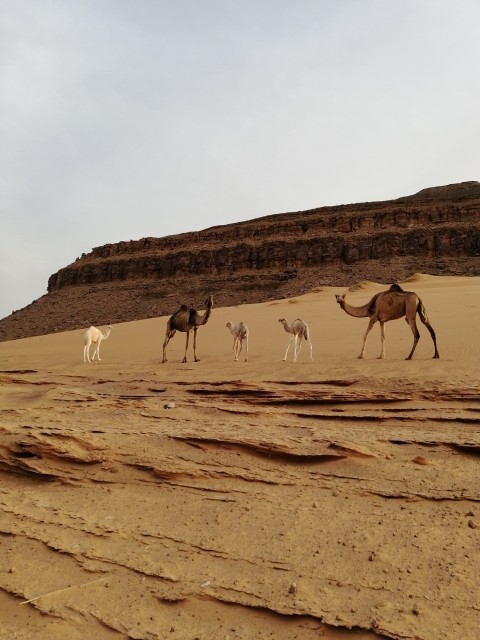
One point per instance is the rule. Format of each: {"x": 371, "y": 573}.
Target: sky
{"x": 124, "y": 119}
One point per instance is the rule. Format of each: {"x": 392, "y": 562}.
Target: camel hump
{"x": 395, "y": 287}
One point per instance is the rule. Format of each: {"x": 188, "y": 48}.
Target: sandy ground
{"x": 329, "y": 499}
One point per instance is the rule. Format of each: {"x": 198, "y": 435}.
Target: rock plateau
{"x": 436, "y": 231}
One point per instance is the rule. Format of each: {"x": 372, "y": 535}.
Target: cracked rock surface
{"x": 333, "y": 499}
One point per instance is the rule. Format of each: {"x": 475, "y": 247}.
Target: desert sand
{"x": 333, "y": 499}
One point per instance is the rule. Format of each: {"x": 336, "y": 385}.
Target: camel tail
{"x": 422, "y": 312}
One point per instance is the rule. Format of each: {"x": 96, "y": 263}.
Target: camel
{"x": 240, "y": 335}
{"x": 391, "y": 305}
{"x": 186, "y": 319}
{"x": 298, "y": 330}
{"x": 96, "y": 336}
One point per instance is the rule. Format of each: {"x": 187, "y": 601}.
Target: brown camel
{"x": 186, "y": 319}
{"x": 391, "y": 305}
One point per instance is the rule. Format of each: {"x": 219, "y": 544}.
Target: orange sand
{"x": 336, "y": 498}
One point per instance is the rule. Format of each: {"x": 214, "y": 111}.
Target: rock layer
{"x": 435, "y": 231}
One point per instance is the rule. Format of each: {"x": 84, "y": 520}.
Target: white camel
{"x": 240, "y": 335}
{"x": 95, "y": 336}
{"x": 297, "y": 330}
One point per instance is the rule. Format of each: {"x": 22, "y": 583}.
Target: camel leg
{"x": 246, "y": 349}
{"x": 86, "y": 353}
{"x": 288, "y": 347}
{"x": 434, "y": 338}
{"x": 423, "y": 317}
{"x": 369, "y": 328}
{"x": 195, "y": 344}
{"x": 311, "y": 348}
{"x": 298, "y": 346}
{"x": 235, "y": 348}
{"x": 186, "y": 347}
{"x": 382, "y": 338}
{"x": 169, "y": 334}
{"x": 294, "y": 359}
{"x": 98, "y": 350}
{"x": 239, "y": 347}
{"x": 416, "y": 337}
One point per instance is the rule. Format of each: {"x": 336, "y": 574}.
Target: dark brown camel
{"x": 186, "y": 319}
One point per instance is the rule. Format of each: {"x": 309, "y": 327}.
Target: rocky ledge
{"x": 436, "y": 231}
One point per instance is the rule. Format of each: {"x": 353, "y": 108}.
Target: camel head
{"x": 209, "y": 302}
{"x": 340, "y": 298}
{"x": 282, "y": 320}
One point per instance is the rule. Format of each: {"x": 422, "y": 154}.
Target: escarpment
{"x": 436, "y": 231}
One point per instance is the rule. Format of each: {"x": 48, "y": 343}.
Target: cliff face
{"x": 436, "y": 231}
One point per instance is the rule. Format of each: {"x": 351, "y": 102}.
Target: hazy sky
{"x": 122, "y": 119}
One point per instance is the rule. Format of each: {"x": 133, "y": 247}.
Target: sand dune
{"x": 265, "y": 499}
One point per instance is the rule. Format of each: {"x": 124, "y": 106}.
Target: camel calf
{"x": 297, "y": 330}
{"x": 95, "y": 336}
{"x": 240, "y": 336}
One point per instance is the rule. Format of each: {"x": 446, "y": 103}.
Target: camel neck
{"x": 206, "y": 315}
{"x": 356, "y": 312}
